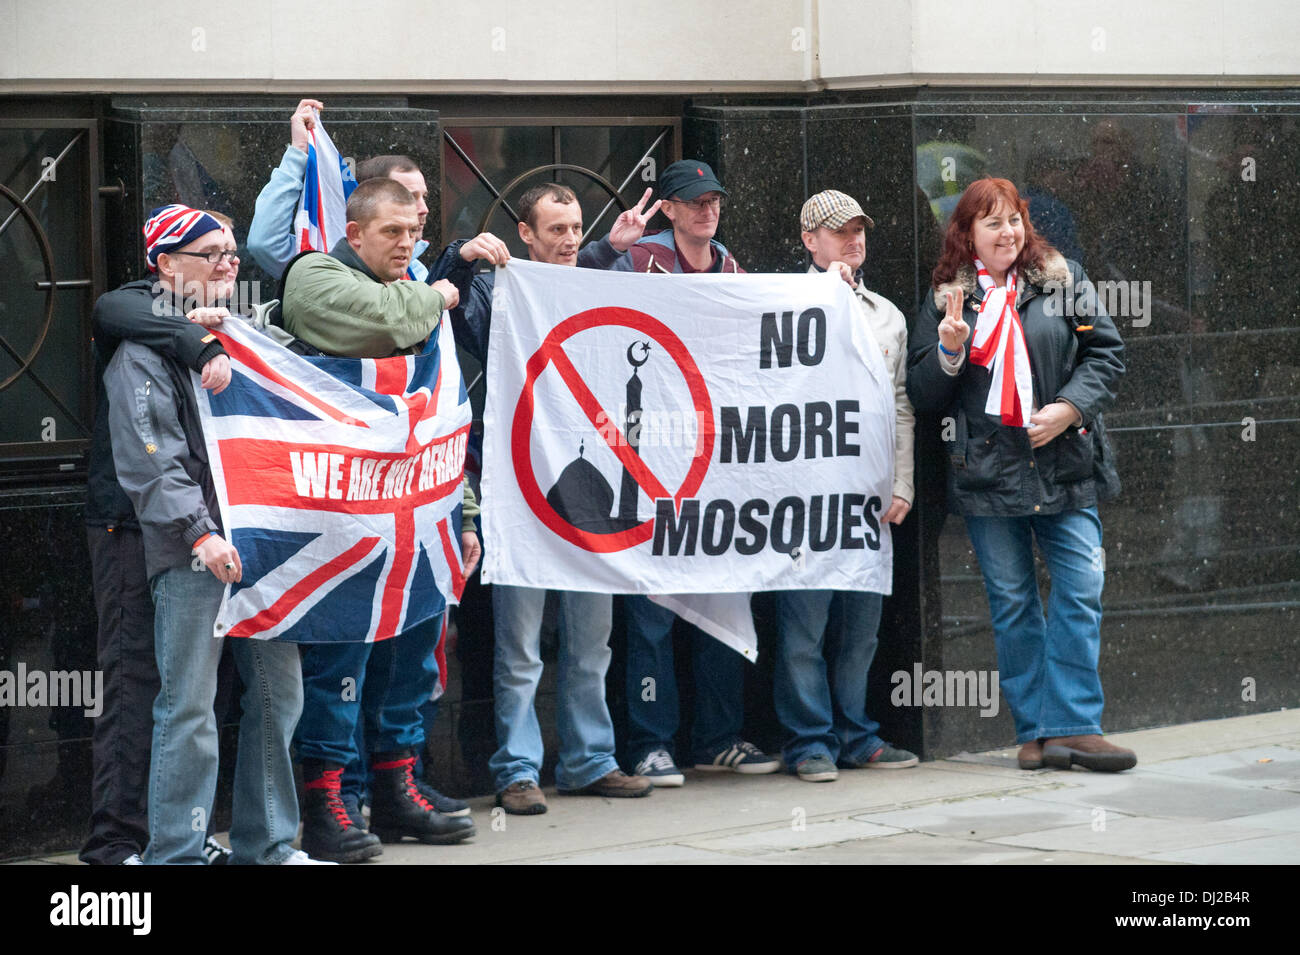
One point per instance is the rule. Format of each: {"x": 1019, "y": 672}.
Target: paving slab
{"x": 1284, "y": 820}
{"x": 1260, "y": 767}
{"x": 796, "y": 836}
{"x": 672, "y": 854}
{"x": 1277, "y": 849}
{"x": 916, "y": 848}
{"x": 1130, "y": 836}
{"x": 985, "y": 817}
{"x": 1141, "y": 793}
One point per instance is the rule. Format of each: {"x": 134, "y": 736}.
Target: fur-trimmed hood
{"x": 1053, "y": 271}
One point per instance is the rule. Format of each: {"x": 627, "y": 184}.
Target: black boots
{"x": 398, "y": 809}
{"x": 328, "y": 830}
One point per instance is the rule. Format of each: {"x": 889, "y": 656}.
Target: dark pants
{"x": 380, "y": 685}
{"x": 122, "y": 732}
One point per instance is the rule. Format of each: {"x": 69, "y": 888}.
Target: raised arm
{"x": 270, "y": 236}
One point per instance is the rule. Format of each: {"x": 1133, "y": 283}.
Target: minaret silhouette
{"x": 628, "y": 490}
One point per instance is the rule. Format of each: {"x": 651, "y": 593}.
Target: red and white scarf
{"x": 999, "y": 345}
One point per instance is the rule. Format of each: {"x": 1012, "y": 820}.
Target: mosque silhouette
{"x": 581, "y": 495}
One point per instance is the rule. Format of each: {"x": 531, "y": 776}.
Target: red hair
{"x": 980, "y": 198}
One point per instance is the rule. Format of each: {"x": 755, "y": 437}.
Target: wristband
{"x": 950, "y": 354}
{"x": 198, "y": 543}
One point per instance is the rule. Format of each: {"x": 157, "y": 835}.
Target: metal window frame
{"x": 554, "y": 120}
{"x": 36, "y": 462}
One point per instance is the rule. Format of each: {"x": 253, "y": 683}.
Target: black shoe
{"x": 353, "y": 806}
{"x": 443, "y": 804}
{"x": 328, "y": 831}
{"x": 399, "y": 810}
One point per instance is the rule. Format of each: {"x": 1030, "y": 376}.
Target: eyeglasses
{"x": 703, "y": 203}
{"x": 212, "y": 258}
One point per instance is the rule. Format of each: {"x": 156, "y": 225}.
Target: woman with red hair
{"x": 1016, "y": 349}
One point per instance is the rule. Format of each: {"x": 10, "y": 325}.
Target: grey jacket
{"x": 158, "y": 449}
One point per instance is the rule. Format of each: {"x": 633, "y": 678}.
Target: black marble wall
{"x": 1193, "y": 196}
{"x": 218, "y": 152}
{"x": 1186, "y": 199}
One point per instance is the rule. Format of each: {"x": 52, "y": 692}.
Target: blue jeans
{"x": 824, "y": 706}
{"x": 1047, "y": 668}
{"x": 652, "y": 709}
{"x": 183, "y": 765}
{"x": 582, "y": 717}
{"x": 380, "y": 686}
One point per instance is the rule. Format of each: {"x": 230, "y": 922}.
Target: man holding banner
{"x": 352, "y": 303}
{"x": 821, "y": 702}
{"x": 550, "y": 224}
{"x": 158, "y": 448}
{"x": 692, "y": 199}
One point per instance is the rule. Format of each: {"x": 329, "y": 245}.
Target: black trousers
{"x": 123, "y": 732}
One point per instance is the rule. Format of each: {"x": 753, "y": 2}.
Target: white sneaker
{"x": 298, "y": 857}
{"x": 659, "y": 768}
{"x": 215, "y": 852}
{"x": 132, "y": 859}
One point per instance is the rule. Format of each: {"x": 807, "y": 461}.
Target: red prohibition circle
{"x": 522, "y": 426}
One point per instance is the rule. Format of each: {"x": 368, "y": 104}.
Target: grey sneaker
{"x": 659, "y": 768}
{"x": 817, "y": 769}
{"x": 887, "y": 757}
{"x": 740, "y": 757}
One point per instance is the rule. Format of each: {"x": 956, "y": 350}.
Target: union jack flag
{"x": 339, "y": 481}
{"x": 322, "y": 210}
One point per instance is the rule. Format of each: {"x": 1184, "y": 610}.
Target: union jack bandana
{"x": 999, "y": 345}
{"x": 170, "y": 227}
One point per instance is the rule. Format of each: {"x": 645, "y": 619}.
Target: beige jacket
{"x": 890, "y": 330}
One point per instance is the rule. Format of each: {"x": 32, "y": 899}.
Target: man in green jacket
{"x": 354, "y": 302}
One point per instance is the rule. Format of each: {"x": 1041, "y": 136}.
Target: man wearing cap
{"x": 692, "y": 200}
{"x": 823, "y": 702}
{"x": 162, "y": 464}
{"x": 121, "y": 734}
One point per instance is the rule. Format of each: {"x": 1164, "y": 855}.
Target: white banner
{"x": 684, "y": 434}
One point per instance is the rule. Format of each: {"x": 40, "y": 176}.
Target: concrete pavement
{"x": 1223, "y": 791}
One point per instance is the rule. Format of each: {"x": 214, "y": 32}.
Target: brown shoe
{"x": 522, "y": 798}
{"x": 1031, "y": 755}
{"x": 1091, "y": 752}
{"x": 617, "y": 784}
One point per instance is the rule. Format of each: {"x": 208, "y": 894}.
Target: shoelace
{"x": 660, "y": 759}
{"x": 408, "y": 780}
{"x": 331, "y": 780}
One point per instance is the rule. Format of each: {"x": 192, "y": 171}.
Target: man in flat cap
{"x": 823, "y": 702}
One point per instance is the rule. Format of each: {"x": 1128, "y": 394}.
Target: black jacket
{"x": 133, "y": 313}
{"x": 471, "y": 320}
{"x": 992, "y": 470}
